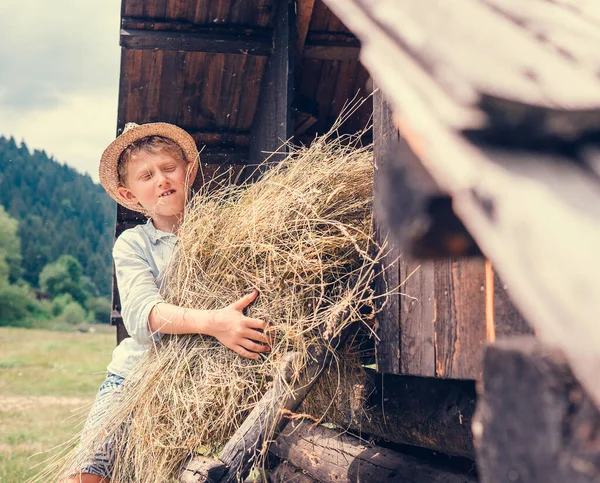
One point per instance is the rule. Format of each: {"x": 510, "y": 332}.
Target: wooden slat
{"x": 417, "y": 317}
{"x": 171, "y": 86}
{"x": 388, "y": 323}
{"x": 331, "y": 51}
{"x": 304, "y": 11}
{"x": 460, "y": 318}
{"x": 194, "y": 42}
{"x": 273, "y": 124}
{"x": 533, "y": 214}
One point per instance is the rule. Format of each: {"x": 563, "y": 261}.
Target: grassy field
{"x": 47, "y": 383}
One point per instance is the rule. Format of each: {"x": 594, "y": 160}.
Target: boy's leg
{"x": 97, "y": 467}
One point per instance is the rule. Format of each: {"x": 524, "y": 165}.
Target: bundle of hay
{"x": 302, "y": 236}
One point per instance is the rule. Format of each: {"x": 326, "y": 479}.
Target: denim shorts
{"x": 101, "y": 462}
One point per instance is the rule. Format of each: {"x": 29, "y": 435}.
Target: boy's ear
{"x": 126, "y": 194}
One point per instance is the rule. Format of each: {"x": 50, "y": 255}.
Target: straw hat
{"x": 109, "y": 177}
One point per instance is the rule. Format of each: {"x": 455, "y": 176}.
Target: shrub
{"x": 16, "y": 304}
{"x": 60, "y": 302}
{"x": 73, "y": 314}
{"x": 100, "y": 309}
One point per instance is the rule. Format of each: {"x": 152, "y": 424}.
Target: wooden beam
{"x": 218, "y": 30}
{"x": 195, "y": 42}
{"x": 462, "y": 72}
{"x": 273, "y": 124}
{"x": 534, "y": 422}
{"x": 332, "y": 457}
{"x": 532, "y": 213}
{"x": 331, "y": 51}
{"x": 304, "y": 11}
{"x": 418, "y": 411}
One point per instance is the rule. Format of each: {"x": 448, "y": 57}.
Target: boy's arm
{"x": 228, "y": 325}
{"x": 146, "y": 314}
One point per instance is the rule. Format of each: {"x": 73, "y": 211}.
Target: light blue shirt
{"x": 142, "y": 255}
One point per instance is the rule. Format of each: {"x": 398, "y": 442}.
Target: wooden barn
{"x": 486, "y": 122}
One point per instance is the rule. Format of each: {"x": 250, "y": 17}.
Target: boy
{"x": 150, "y": 168}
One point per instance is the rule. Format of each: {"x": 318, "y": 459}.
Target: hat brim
{"x": 108, "y": 173}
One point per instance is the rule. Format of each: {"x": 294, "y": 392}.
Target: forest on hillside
{"x": 56, "y": 235}
{"x": 59, "y": 212}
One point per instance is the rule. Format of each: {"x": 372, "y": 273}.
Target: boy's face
{"x": 156, "y": 180}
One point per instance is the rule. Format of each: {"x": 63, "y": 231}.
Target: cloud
{"x": 59, "y": 76}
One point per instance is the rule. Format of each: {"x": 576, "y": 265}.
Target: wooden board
{"x": 533, "y": 213}
{"x": 460, "y": 318}
{"x": 386, "y": 142}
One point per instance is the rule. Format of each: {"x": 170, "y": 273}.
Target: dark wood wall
{"x": 448, "y": 308}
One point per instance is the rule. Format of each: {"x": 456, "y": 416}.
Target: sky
{"x": 59, "y": 77}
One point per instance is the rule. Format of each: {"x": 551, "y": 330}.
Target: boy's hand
{"x": 240, "y": 333}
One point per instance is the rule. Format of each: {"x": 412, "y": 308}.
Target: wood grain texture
{"x": 331, "y": 457}
{"x": 388, "y": 320}
{"x": 460, "y": 324}
{"x": 304, "y": 11}
{"x": 426, "y": 412}
{"x": 194, "y": 42}
{"x": 417, "y": 317}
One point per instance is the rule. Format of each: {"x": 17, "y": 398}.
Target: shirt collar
{"x": 154, "y": 234}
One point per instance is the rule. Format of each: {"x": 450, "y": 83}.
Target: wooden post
{"x": 331, "y": 457}
{"x": 534, "y": 421}
{"x": 386, "y": 142}
{"x": 273, "y": 124}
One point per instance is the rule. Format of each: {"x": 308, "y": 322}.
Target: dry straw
{"x": 301, "y": 235}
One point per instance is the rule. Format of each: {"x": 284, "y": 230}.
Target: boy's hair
{"x": 149, "y": 144}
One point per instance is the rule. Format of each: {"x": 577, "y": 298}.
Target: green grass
{"x": 47, "y": 382}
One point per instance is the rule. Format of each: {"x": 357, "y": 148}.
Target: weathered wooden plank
{"x": 304, "y": 11}
{"x": 194, "y": 42}
{"x": 534, "y": 422}
{"x": 273, "y": 124}
{"x": 211, "y": 29}
{"x": 511, "y": 201}
{"x": 331, "y": 457}
{"x": 438, "y": 56}
{"x": 417, "y": 411}
{"x": 560, "y": 29}
{"x": 460, "y": 317}
{"x": 417, "y": 317}
{"x": 386, "y": 140}
{"x": 331, "y": 51}
{"x": 171, "y": 86}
